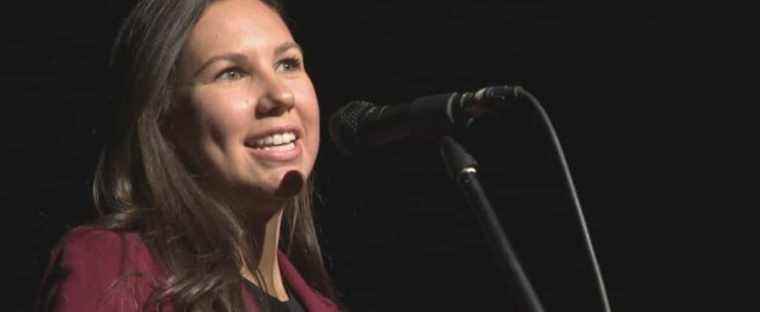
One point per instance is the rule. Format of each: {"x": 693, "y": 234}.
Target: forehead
{"x": 236, "y": 25}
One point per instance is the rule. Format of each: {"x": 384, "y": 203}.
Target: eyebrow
{"x": 241, "y": 58}
{"x": 287, "y": 46}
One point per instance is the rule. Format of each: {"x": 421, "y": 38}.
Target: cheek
{"x": 314, "y": 120}
{"x": 222, "y": 118}
{"x": 310, "y": 115}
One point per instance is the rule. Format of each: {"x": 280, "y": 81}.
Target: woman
{"x": 204, "y": 186}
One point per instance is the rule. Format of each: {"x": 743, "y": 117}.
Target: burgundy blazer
{"x": 114, "y": 271}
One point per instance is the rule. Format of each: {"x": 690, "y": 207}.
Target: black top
{"x": 274, "y": 304}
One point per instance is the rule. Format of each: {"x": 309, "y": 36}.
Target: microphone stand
{"x": 462, "y": 167}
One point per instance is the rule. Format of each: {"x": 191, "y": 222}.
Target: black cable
{"x": 573, "y": 193}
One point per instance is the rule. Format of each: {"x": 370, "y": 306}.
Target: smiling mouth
{"x": 275, "y": 148}
{"x": 277, "y": 141}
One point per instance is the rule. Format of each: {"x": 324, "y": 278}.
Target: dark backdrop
{"x": 396, "y": 231}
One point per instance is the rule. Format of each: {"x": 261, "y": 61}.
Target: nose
{"x": 276, "y": 100}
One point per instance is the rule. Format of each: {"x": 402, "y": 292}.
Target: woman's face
{"x": 248, "y": 111}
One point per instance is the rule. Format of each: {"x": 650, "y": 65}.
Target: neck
{"x": 267, "y": 234}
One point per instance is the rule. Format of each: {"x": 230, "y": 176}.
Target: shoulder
{"x": 89, "y": 243}
{"x": 95, "y": 269}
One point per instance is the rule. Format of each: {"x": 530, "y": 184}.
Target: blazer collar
{"x": 309, "y": 298}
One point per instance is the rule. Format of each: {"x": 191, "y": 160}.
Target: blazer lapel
{"x": 310, "y": 298}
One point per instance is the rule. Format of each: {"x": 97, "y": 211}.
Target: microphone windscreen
{"x": 344, "y": 125}
{"x": 292, "y": 183}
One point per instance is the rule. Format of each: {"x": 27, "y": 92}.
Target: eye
{"x": 289, "y": 64}
{"x": 231, "y": 74}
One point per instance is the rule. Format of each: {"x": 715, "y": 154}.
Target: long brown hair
{"x": 142, "y": 185}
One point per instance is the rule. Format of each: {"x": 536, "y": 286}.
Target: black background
{"x": 619, "y": 82}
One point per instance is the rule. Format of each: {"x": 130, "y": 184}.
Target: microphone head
{"x": 344, "y": 125}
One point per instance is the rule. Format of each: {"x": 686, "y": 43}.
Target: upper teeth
{"x": 276, "y": 139}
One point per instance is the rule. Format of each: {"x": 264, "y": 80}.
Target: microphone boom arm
{"x": 462, "y": 167}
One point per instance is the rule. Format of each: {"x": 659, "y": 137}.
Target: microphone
{"x": 361, "y": 125}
